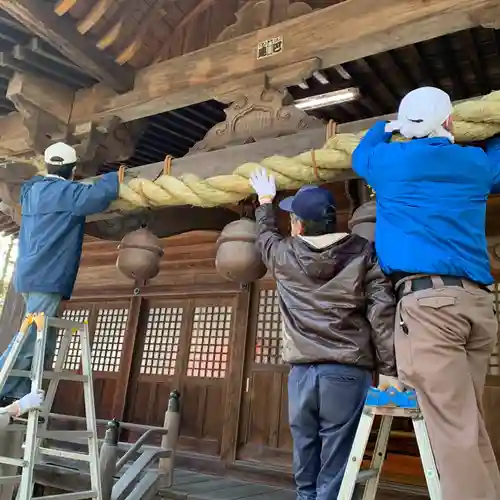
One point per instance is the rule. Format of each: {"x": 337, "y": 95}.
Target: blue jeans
{"x": 325, "y": 404}
{"x": 48, "y": 303}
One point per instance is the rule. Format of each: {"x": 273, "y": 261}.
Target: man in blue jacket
{"x": 430, "y": 238}
{"x": 50, "y": 245}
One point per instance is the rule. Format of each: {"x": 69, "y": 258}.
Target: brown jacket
{"x": 336, "y": 304}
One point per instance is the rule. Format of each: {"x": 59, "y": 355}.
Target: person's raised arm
{"x": 85, "y": 199}
{"x": 362, "y": 155}
{"x": 268, "y": 236}
{"x": 380, "y": 313}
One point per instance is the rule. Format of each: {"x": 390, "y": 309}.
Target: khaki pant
{"x": 444, "y": 338}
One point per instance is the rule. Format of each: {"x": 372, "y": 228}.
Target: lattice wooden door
{"x": 203, "y": 375}
{"x": 107, "y": 325}
{"x": 156, "y": 362}
{"x": 183, "y": 345}
{"x": 264, "y": 431}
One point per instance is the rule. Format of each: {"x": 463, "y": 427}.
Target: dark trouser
{"x": 444, "y": 338}
{"x": 325, "y": 404}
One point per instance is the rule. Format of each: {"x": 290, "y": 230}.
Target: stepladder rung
{"x": 52, "y": 375}
{"x": 16, "y": 462}
{"x": 64, "y": 324}
{"x": 72, "y": 455}
{"x": 393, "y": 411}
{"x": 366, "y": 474}
{"x": 9, "y": 480}
{"x": 76, "y": 495}
{"x": 67, "y": 436}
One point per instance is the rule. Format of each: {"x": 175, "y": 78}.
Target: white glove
{"x": 385, "y": 382}
{"x": 393, "y": 126}
{"x": 264, "y": 185}
{"x": 32, "y": 401}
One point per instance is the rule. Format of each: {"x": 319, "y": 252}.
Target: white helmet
{"x": 60, "y": 154}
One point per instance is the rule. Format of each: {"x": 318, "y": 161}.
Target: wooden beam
{"x": 52, "y": 97}
{"x": 62, "y": 34}
{"x": 343, "y": 32}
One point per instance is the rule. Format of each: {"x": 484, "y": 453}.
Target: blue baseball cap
{"x": 309, "y": 203}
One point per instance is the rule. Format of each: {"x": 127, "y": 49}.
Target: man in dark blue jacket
{"x": 430, "y": 239}
{"x": 50, "y": 245}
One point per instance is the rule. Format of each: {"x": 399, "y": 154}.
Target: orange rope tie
{"x": 315, "y": 165}
{"x": 331, "y": 129}
{"x": 167, "y": 165}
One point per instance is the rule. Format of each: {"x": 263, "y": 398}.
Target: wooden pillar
{"x": 12, "y": 315}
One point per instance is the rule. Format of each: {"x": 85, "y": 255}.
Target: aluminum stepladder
{"x": 37, "y": 431}
{"x": 389, "y": 404}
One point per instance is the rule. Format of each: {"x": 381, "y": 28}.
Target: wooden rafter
{"x": 61, "y": 33}
{"x": 64, "y": 6}
{"x": 113, "y": 34}
{"x": 144, "y": 29}
{"x": 92, "y": 18}
{"x": 202, "y": 6}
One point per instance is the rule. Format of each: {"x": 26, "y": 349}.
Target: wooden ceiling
{"x": 140, "y": 32}
{"x": 136, "y": 33}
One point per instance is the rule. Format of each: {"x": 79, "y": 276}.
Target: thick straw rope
{"x": 473, "y": 120}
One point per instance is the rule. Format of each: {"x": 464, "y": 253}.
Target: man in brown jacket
{"x": 338, "y": 317}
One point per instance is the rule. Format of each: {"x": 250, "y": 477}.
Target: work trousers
{"x": 325, "y": 404}
{"x": 48, "y": 303}
{"x": 444, "y": 338}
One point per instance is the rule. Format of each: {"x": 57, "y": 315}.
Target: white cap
{"x": 422, "y": 113}
{"x": 60, "y": 154}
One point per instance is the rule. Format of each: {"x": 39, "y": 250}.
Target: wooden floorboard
{"x": 190, "y": 485}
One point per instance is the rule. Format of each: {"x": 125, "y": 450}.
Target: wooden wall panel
{"x": 189, "y": 259}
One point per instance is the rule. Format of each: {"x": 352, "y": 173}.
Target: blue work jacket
{"x": 431, "y": 203}
{"x": 52, "y": 229}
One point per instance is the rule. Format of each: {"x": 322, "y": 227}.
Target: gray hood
{"x": 362, "y": 221}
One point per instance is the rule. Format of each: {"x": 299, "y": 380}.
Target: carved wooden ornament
{"x": 264, "y": 114}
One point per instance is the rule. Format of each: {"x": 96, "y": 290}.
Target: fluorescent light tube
{"x": 328, "y": 99}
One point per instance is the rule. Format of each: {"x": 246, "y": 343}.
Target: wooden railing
{"x": 127, "y": 469}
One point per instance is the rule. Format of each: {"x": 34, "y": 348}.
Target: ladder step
{"x": 15, "y": 428}
{"x": 64, "y": 324}
{"x": 73, "y": 377}
{"x": 72, "y": 455}
{"x": 10, "y": 479}
{"x": 76, "y": 495}
{"x": 16, "y": 462}
{"x": 67, "y": 436}
{"x": 393, "y": 411}
{"x": 365, "y": 475}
